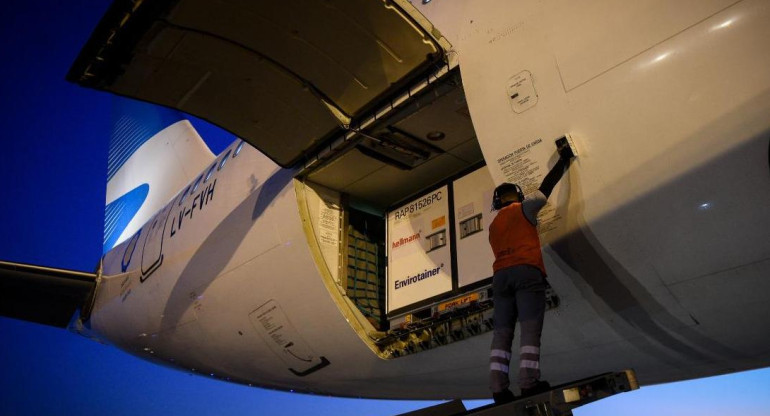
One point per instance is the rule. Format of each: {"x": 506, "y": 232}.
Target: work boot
{"x": 539, "y": 387}
{"x": 505, "y": 396}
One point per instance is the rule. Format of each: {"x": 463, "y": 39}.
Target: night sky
{"x": 53, "y": 170}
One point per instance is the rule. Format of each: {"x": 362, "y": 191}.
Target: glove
{"x": 564, "y": 150}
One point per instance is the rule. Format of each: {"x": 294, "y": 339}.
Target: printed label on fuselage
{"x": 283, "y": 339}
{"x": 196, "y": 203}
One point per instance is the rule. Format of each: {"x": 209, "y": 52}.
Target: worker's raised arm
{"x": 552, "y": 178}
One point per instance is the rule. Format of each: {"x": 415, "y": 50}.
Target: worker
{"x": 519, "y": 283}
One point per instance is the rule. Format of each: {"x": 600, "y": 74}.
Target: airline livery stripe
{"x": 112, "y": 213}
{"x": 121, "y": 140}
{"x": 127, "y": 137}
{"x": 119, "y": 213}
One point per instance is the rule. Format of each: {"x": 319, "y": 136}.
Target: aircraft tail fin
{"x": 153, "y": 153}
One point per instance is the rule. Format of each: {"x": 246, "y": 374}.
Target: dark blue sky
{"x": 53, "y": 168}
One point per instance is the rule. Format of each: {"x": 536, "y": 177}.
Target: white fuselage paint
{"x": 175, "y": 154}
{"x": 660, "y": 251}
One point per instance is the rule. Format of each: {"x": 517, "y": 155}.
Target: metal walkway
{"x": 559, "y": 401}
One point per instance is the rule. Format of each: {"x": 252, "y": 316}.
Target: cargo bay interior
{"x": 421, "y": 145}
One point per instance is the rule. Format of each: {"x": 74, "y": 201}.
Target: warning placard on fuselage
{"x": 419, "y": 250}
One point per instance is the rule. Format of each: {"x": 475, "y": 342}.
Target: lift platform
{"x": 559, "y": 401}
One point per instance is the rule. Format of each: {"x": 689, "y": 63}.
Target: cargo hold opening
{"x": 425, "y": 145}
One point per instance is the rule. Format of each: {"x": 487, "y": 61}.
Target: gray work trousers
{"x": 519, "y": 294}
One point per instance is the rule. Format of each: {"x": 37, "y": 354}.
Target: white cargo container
{"x": 419, "y": 250}
{"x": 472, "y": 206}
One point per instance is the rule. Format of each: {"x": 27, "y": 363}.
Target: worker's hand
{"x": 565, "y": 152}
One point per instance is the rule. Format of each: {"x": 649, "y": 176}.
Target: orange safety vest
{"x": 514, "y": 240}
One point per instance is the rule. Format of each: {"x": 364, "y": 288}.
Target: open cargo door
{"x": 285, "y": 76}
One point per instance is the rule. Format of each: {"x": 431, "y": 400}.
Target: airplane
{"x": 199, "y": 281}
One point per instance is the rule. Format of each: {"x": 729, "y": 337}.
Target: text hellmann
{"x": 401, "y": 241}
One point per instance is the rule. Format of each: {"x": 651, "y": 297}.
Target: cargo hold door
{"x": 286, "y": 76}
